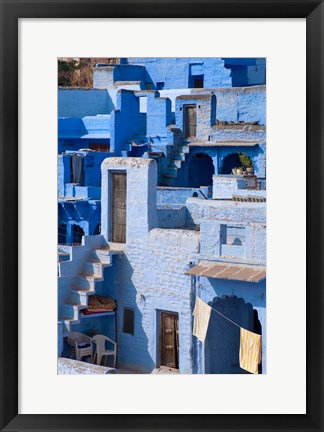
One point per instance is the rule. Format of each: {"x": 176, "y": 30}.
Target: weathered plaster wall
{"x": 212, "y": 214}
{"x": 224, "y": 187}
{"x": 149, "y": 278}
{"x": 176, "y": 72}
{"x": 174, "y": 195}
{"x": 172, "y": 216}
{"x": 246, "y": 104}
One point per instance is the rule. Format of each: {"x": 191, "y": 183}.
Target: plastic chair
{"x": 101, "y": 351}
{"x": 82, "y": 345}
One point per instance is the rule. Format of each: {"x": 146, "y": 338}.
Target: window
{"x": 99, "y": 147}
{"x": 160, "y": 85}
{"x": 232, "y": 240}
{"x": 128, "y": 322}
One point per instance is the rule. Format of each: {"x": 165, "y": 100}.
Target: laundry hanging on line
{"x": 250, "y": 351}
{"x": 201, "y": 315}
{"x": 250, "y": 343}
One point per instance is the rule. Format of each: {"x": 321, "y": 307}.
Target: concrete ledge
{"x": 67, "y": 366}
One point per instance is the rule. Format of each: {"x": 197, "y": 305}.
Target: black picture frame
{"x": 11, "y": 11}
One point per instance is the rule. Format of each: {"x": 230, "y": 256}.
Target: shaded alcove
{"x": 200, "y": 171}
{"x": 97, "y": 229}
{"x": 77, "y": 234}
{"x": 222, "y": 345}
{"x": 230, "y": 161}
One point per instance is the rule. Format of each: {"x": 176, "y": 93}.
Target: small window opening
{"x": 160, "y": 85}
{"x": 103, "y": 148}
{"x": 128, "y": 322}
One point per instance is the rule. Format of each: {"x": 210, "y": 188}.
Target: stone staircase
{"x": 176, "y": 155}
{"x": 83, "y": 284}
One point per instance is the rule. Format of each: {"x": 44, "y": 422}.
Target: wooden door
{"x": 119, "y": 207}
{"x": 190, "y": 121}
{"x": 169, "y": 337}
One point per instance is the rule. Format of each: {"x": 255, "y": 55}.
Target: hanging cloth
{"x": 250, "y": 350}
{"x": 201, "y": 315}
{"x": 77, "y": 168}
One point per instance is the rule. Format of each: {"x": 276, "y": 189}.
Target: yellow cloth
{"x": 201, "y": 315}
{"x": 250, "y": 350}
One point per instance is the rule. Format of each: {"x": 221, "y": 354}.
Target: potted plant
{"x": 246, "y": 163}
{"x": 239, "y": 171}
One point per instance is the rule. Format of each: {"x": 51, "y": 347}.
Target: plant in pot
{"x": 246, "y": 163}
{"x": 239, "y": 171}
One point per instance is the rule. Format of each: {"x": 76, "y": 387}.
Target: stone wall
{"x": 178, "y": 72}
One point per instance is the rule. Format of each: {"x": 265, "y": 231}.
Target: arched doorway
{"x": 77, "y": 234}
{"x": 201, "y": 170}
{"x": 231, "y": 161}
{"x": 222, "y": 344}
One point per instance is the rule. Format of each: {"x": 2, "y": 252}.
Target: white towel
{"x": 201, "y": 315}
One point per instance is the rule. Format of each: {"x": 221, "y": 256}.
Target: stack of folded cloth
{"x": 99, "y": 304}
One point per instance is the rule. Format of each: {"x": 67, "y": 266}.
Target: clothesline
{"x": 250, "y": 342}
{"x": 221, "y": 314}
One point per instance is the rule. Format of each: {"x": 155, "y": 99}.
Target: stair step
{"x": 94, "y": 268}
{"x": 78, "y": 305}
{"x": 84, "y": 291}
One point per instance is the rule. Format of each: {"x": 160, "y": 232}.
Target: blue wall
{"x": 83, "y": 102}
{"x": 158, "y": 114}
{"x": 176, "y": 72}
{"x": 125, "y": 122}
{"x": 77, "y": 133}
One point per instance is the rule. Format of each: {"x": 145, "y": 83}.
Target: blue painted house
{"x": 156, "y": 269}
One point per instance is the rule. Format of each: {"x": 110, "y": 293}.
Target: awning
{"x": 226, "y": 270}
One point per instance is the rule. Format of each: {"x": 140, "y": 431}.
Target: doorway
{"x": 222, "y": 345}
{"x": 200, "y": 171}
{"x": 169, "y": 339}
{"x": 77, "y": 234}
{"x": 190, "y": 121}
{"x": 118, "y": 207}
